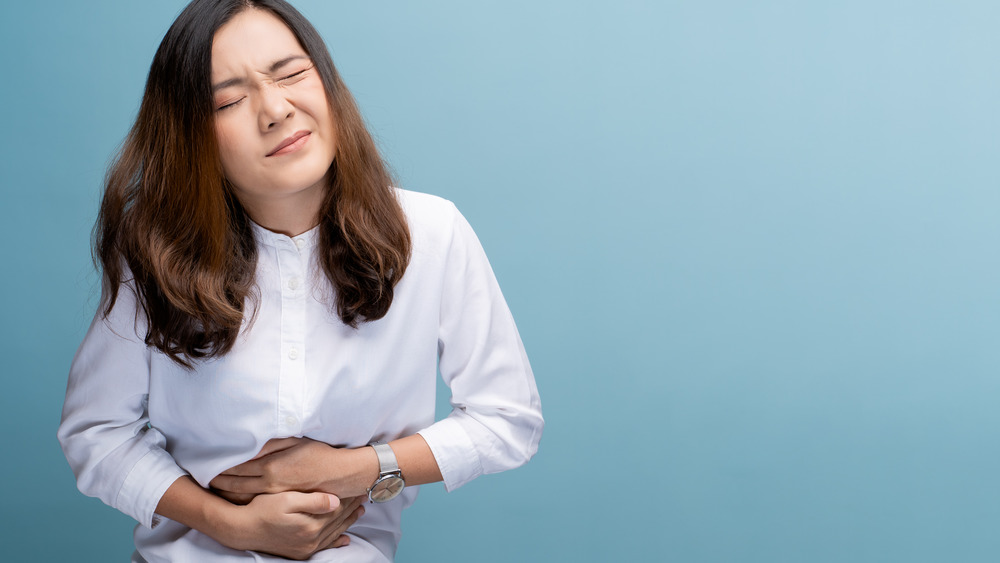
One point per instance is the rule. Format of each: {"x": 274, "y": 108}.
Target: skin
{"x": 267, "y": 91}
{"x": 297, "y": 496}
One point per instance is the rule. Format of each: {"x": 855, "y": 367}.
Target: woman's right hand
{"x": 291, "y": 524}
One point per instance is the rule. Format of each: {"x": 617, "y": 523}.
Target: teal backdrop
{"x": 751, "y": 248}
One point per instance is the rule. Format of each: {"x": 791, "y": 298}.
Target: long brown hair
{"x": 171, "y": 219}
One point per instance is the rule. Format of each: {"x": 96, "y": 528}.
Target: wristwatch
{"x": 390, "y": 479}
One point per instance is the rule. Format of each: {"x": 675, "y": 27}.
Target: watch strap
{"x": 386, "y": 458}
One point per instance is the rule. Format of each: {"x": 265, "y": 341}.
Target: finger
{"x": 333, "y": 533}
{"x": 335, "y": 542}
{"x": 276, "y": 445}
{"x": 355, "y": 514}
{"x": 353, "y": 503}
{"x": 347, "y": 507}
{"x": 348, "y": 504}
{"x": 340, "y": 525}
{"x": 252, "y": 468}
{"x": 240, "y": 485}
{"x": 312, "y": 503}
{"x": 235, "y": 498}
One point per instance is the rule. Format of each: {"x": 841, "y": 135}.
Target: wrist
{"x": 188, "y": 503}
{"x": 367, "y": 469}
{"x": 225, "y": 524}
{"x": 390, "y": 480}
{"x": 355, "y": 470}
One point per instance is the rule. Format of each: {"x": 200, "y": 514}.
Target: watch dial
{"x": 387, "y": 489}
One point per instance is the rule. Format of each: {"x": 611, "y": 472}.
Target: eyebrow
{"x": 275, "y": 66}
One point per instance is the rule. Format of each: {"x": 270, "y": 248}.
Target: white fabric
{"x": 133, "y": 421}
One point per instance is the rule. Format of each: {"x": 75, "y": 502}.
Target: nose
{"x": 274, "y": 108}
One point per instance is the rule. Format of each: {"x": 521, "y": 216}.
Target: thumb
{"x": 317, "y": 503}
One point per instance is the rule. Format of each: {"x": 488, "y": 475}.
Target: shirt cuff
{"x": 145, "y": 485}
{"x": 454, "y": 452}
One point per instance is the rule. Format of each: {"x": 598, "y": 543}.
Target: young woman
{"x": 259, "y": 380}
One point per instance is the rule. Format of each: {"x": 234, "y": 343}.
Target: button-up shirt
{"x": 134, "y": 420}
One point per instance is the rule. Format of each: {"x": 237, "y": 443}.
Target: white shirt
{"x": 134, "y": 421}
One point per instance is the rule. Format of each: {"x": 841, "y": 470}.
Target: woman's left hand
{"x": 298, "y": 464}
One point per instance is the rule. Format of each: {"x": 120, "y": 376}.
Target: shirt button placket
{"x": 291, "y": 405}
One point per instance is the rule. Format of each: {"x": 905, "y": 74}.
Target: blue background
{"x": 751, "y": 248}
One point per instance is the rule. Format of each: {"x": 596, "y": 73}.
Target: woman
{"x": 272, "y": 309}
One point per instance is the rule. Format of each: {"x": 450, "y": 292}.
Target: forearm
{"x": 188, "y": 503}
{"x": 360, "y": 467}
{"x": 416, "y": 461}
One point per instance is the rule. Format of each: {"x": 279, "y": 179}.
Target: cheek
{"x": 229, "y": 147}
{"x": 331, "y": 131}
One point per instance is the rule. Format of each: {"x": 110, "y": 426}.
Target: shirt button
{"x": 299, "y": 243}
{"x": 293, "y": 283}
{"x": 293, "y": 354}
{"x": 291, "y": 420}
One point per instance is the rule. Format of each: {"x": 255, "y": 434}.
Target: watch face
{"x": 386, "y": 488}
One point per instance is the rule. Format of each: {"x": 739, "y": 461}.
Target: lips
{"x": 290, "y": 144}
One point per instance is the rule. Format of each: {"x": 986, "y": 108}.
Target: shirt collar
{"x": 307, "y": 239}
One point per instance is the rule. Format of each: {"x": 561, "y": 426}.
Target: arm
{"x": 301, "y": 464}
{"x": 496, "y": 420}
{"x": 119, "y": 458}
{"x": 114, "y": 453}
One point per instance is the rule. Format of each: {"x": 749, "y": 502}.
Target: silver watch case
{"x": 386, "y": 487}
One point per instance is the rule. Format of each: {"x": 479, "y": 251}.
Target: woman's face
{"x": 275, "y": 129}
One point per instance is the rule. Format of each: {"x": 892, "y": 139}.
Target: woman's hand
{"x": 292, "y": 524}
{"x": 299, "y": 464}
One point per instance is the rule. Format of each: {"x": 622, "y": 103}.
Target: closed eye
{"x": 231, "y": 104}
{"x": 294, "y": 74}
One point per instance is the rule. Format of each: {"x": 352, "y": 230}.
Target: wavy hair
{"x": 171, "y": 220}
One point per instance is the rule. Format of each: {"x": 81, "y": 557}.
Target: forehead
{"x": 251, "y": 41}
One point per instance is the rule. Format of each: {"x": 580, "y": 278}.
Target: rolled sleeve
{"x": 147, "y": 481}
{"x": 496, "y": 421}
{"x": 454, "y": 451}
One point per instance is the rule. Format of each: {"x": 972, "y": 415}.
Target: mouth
{"x": 291, "y": 144}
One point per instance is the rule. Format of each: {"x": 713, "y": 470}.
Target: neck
{"x": 289, "y": 216}
{"x": 290, "y": 226}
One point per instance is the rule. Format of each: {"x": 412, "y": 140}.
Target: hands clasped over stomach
{"x": 288, "y": 506}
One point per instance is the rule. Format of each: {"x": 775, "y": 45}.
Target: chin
{"x": 306, "y": 184}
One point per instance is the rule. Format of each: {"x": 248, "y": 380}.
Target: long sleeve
{"x": 115, "y": 455}
{"x": 496, "y": 421}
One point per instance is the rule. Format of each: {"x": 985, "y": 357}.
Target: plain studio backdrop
{"x": 752, "y": 249}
